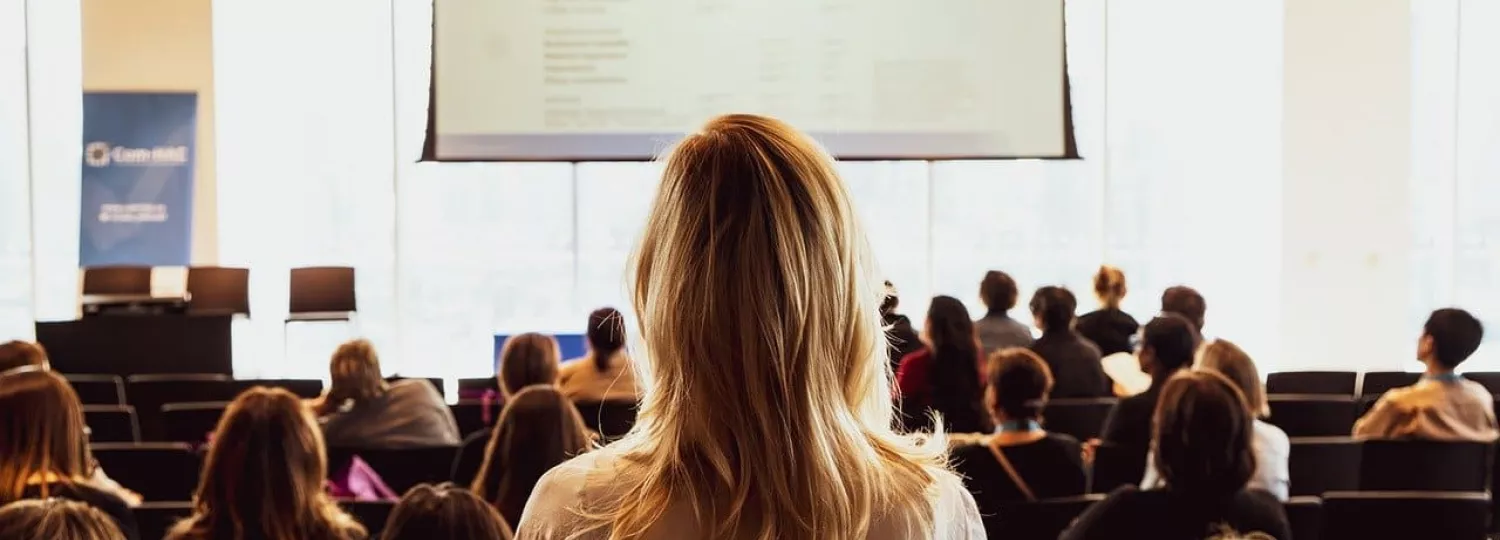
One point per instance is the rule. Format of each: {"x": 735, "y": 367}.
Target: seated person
{"x": 362, "y": 410}
{"x": 56, "y": 519}
{"x": 996, "y": 329}
{"x": 1167, "y": 346}
{"x": 429, "y": 512}
{"x": 526, "y": 359}
{"x": 1074, "y": 361}
{"x": 1021, "y": 461}
{"x": 1187, "y": 302}
{"x": 944, "y": 377}
{"x": 1442, "y": 406}
{"x": 901, "y": 338}
{"x": 604, "y": 374}
{"x": 538, "y": 430}
{"x": 1109, "y": 327}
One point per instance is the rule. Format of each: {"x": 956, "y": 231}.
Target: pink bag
{"x": 359, "y": 481}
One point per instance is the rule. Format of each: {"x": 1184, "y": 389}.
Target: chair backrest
{"x": 1305, "y": 515}
{"x": 1082, "y": 418}
{"x": 147, "y": 393}
{"x": 612, "y": 419}
{"x": 158, "y": 471}
{"x": 400, "y": 468}
{"x": 1116, "y": 466}
{"x": 117, "y": 280}
{"x": 470, "y": 458}
{"x": 1313, "y": 415}
{"x": 1312, "y": 382}
{"x": 371, "y": 514}
{"x": 98, "y": 389}
{"x": 1489, "y": 379}
{"x": 304, "y": 388}
{"x": 474, "y": 415}
{"x": 321, "y": 289}
{"x": 1424, "y": 466}
{"x": 191, "y": 422}
{"x": 1428, "y": 515}
{"x": 1375, "y": 383}
{"x": 1322, "y": 464}
{"x": 111, "y": 423}
{"x": 217, "y": 290}
{"x": 154, "y": 519}
{"x": 477, "y": 386}
{"x": 1044, "y": 519}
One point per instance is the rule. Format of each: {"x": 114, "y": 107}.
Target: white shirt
{"x": 1272, "y": 450}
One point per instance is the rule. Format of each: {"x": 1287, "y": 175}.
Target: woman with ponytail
{"x": 604, "y": 373}
{"x": 1109, "y": 327}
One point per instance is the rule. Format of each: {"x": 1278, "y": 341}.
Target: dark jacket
{"x": 902, "y": 339}
{"x": 1109, "y": 329}
{"x": 1075, "y": 366}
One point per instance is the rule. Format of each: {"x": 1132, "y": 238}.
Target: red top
{"x": 914, "y": 376}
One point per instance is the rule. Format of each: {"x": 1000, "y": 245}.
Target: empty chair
{"x": 98, "y": 389}
{"x": 1044, "y": 519}
{"x": 117, "y": 280}
{"x": 1311, "y": 415}
{"x": 474, "y": 415}
{"x": 111, "y": 423}
{"x": 1305, "y": 515}
{"x": 399, "y": 468}
{"x": 1489, "y": 379}
{"x": 158, "y": 471}
{"x": 1081, "y": 418}
{"x": 154, "y": 519}
{"x": 147, "y": 393}
{"x": 470, "y": 458}
{"x": 303, "y": 388}
{"x": 1321, "y": 464}
{"x": 611, "y": 419}
{"x": 323, "y": 293}
{"x": 1116, "y": 466}
{"x": 1376, "y": 383}
{"x": 1312, "y": 382}
{"x": 1426, "y": 515}
{"x": 191, "y": 422}
{"x": 371, "y": 514}
{"x": 214, "y": 290}
{"x": 1412, "y": 465}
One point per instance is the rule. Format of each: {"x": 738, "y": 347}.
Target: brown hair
{"x": 354, "y": 375}
{"x": 1202, "y": 435}
{"x": 444, "y": 511}
{"x": 1185, "y": 301}
{"x": 1109, "y": 286}
{"x": 56, "y": 519}
{"x": 41, "y": 432}
{"x": 1233, "y": 363}
{"x": 998, "y": 290}
{"x": 539, "y": 429}
{"x": 527, "y": 359}
{"x": 264, "y": 475}
{"x": 1019, "y": 382}
{"x": 606, "y": 335}
{"x": 17, "y": 353}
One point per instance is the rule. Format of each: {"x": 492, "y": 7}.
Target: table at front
{"x": 131, "y": 344}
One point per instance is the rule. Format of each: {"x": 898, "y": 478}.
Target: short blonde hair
{"x": 1234, "y": 364}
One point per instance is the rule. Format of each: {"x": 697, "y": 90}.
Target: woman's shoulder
{"x": 560, "y": 493}
{"x": 1272, "y": 437}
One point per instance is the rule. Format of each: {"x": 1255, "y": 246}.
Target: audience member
{"x": 944, "y": 377}
{"x": 264, "y": 475}
{"x": 527, "y": 359}
{"x": 1022, "y": 461}
{"x": 996, "y": 329}
{"x": 43, "y": 447}
{"x": 1442, "y": 406}
{"x": 901, "y": 339}
{"x": 768, "y": 412}
{"x": 1168, "y": 343}
{"x": 56, "y": 519}
{"x": 604, "y": 374}
{"x": 1109, "y": 327}
{"x": 538, "y": 430}
{"x": 1203, "y": 451}
{"x": 361, "y": 410}
{"x": 1185, "y": 301}
{"x": 444, "y": 512}
{"x": 1074, "y": 361}
{"x": 18, "y": 354}
{"x": 1270, "y": 444}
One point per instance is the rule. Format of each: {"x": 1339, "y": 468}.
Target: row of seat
{"x": 153, "y": 519}
{"x": 94, "y": 389}
{"x": 1369, "y": 383}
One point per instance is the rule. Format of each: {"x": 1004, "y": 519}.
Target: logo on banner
{"x": 101, "y": 154}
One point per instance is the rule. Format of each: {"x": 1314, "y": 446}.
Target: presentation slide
{"x": 590, "y": 80}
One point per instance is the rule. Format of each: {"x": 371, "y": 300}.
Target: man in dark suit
{"x": 1167, "y": 346}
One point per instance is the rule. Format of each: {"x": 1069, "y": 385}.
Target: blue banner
{"x": 137, "y": 178}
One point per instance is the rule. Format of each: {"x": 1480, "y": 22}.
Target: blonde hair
{"x": 767, "y": 405}
{"x": 1234, "y": 364}
{"x": 354, "y": 375}
{"x": 1109, "y": 286}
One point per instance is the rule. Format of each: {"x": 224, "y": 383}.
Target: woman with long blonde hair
{"x": 767, "y": 408}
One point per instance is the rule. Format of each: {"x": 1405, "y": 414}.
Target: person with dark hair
{"x": 1202, "y": 437}
{"x": 1442, "y": 406}
{"x": 1109, "y": 327}
{"x": 537, "y": 430}
{"x": 996, "y": 329}
{"x": 19, "y": 354}
{"x": 1168, "y": 344}
{"x": 604, "y": 373}
{"x": 1021, "y": 461}
{"x": 901, "y": 338}
{"x": 444, "y": 512}
{"x": 56, "y": 519}
{"x": 1074, "y": 361}
{"x": 944, "y": 377}
{"x": 1185, "y": 301}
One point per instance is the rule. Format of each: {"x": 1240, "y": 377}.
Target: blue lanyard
{"x": 1449, "y": 377}
{"x": 1018, "y": 425}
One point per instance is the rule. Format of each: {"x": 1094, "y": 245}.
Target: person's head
{"x": 264, "y": 473}
{"x": 41, "y": 432}
{"x": 1202, "y": 435}
{"x": 998, "y": 291}
{"x": 1229, "y": 360}
{"x": 1109, "y": 286}
{"x": 1054, "y": 308}
{"x": 1168, "y": 344}
{"x": 16, "y": 353}
{"x": 354, "y": 373}
{"x": 758, "y": 305}
{"x": 443, "y": 511}
{"x": 1185, "y": 301}
{"x": 890, "y": 300}
{"x": 1448, "y": 338}
{"x": 949, "y": 325}
{"x": 957, "y": 392}
{"x": 56, "y": 519}
{"x": 527, "y": 359}
{"x": 1019, "y": 382}
{"x": 606, "y": 335}
{"x": 538, "y": 429}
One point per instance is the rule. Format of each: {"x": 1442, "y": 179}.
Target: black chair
{"x": 470, "y": 387}
{"x": 1116, "y": 466}
{"x": 437, "y": 382}
{"x": 1305, "y": 515}
{"x": 1312, "y": 382}
{"x": 1379, "y": 382}
{"x": 121, "y": 280}
{"x": 1428, "y": 515}
{"x": 1040, "y": 520}
{"x": 371, "y": 514}
{"x": 474, "y": 416}
{"x": 214, "y": 290}
{"x": 1411, "y": 465}
{"x": 1312, "y": 415}
{"x": 191, "y": 422}
{"x": 1489, "y": 379}
{"x": 158, "y": 471}
{"x": 1081, "y": 418}
{"x": 147, "y": 393}
{"x": 111, "y": 423}
{"x": 154, "y": 519}
{"x": 304, "y": 388}
{"x": 1322, "y": 464}
{"x": 324, "y": 293}
{"x": 400, "y": 468}
{"x": 611, "y": 419}
{"x": 470, "y": 458}
{"x": 98, "y": 389}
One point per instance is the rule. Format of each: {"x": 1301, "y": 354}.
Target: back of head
{"x": 1109, "y": 286}
{"x": 606, "y": 335}
{"x": 539, "y": 429}
{"x": 1203, "y": 435}
{"x": 1054, "y": 308}
{"x": 1455, "y": 335}
{"x": 527, "y": 359}
{"x": 956, "y": 389}
{"x": 354, "y": 373}
{"x": 757, "y": 303}
{"x": 998, "y": 291}
{"x": 1171, "y": 341}
{"x": 1185, "y": 301}
{"x": 443, "y": 511}
{"x": 41, "y": 432}
{"x": 1234, "y": 364}
{"x": 1019, "y": 382}
{"x": 890, "y": 300}
{"x": 56, "y": 519}
{"x": 17, "y": 354}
